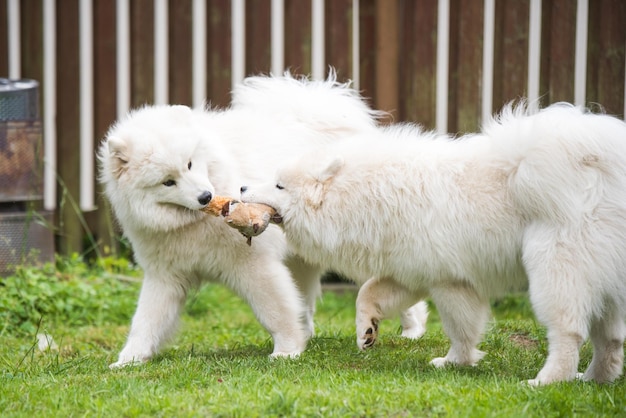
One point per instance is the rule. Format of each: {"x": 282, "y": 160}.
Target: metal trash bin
{"x": 25, "y": 231}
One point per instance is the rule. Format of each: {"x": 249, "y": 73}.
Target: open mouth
{"x": 276, "y": 218}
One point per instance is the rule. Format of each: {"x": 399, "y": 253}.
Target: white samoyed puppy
{"x": 160, "y": 164}
{"x": 536, "y": 201}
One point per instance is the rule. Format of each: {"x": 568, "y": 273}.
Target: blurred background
{"x": 445, "y": 64}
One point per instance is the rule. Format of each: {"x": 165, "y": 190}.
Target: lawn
{"x": 219, "y": 366}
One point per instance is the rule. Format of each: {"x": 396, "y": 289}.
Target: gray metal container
{"x": 26, "y": 235}
{"x": 19, "y": 100}
{"x": 21, "y": 147}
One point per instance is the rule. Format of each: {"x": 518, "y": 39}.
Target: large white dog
{"x": 160, "y": 164}
{"x": 536, "y": 201}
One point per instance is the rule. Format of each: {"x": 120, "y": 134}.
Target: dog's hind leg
{"x": 307, "y": 278}
{"x": 154, "y": 322}
{"x": 559, "y": 267}
{"x": 413, "y": 320}
{"x": 464, "y": 315}
{"x": 607, "y": 335}
{"x": 379, "y": 299}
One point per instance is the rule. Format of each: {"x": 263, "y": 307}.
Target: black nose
{"x": 205, "y": 198}
{"x": 243, "y": 189}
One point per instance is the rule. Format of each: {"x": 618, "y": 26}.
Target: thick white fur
{"x": 535, "y": 201}
{"x": 178, "y": 247}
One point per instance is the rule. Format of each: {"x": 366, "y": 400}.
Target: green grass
{"x": 219, "y": 366}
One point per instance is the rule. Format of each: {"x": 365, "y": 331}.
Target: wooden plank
{"x": 418, "y": 62}
{"x": 104, "y": 230}
{"x": 68, "y": 117}
{"x": 510, "y": 51}
{"x": 105, "y": 77}
{"x": 218, "y": 52}
{"x": 298, "y": 36}
{"x": 367, "y": 23}
{"x": 142, "y": 52}
{"x": 466, "y": 27}
{"x": 558, "y": 30}
{"x": 605, "y": 58}
{"x": 387, "y": 58}
{"x": 32, "y": 42}
{"x": 453, "y": 64}
{"x": 180, "y": 52}
{"x": 258, "y": 36}
{"x": 4, "y": 41}
{"x": 338, "y": 42}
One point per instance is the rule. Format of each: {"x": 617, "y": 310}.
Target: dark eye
{"x": 279, "y": 187}
{"x": 189, "y": 165}
{"x": 169, "y": 183}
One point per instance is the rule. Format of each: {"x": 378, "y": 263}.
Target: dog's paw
{"x": 367, "y": 338}
{"x": 532, "y": 383}
{"x": 283, "y": 354}
{"x": 439, "y": 362}
{"x": 126, "y": 363}
{"x": 414, "y": 332}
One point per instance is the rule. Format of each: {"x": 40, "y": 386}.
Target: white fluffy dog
{"x": 536, "y": 201}
{"x": 160, "y": 164}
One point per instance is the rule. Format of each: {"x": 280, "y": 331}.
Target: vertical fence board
{"x": 31, "y": 49}
{"x": 105, "y": 77}
{"x": 418, "y": 62}
{"x": 31, "y": 16}
{"x": 258, "y": 36}
{"x": 510, "y": 51}
{"x": 338, "y": 42}
{"x": 466, "y": 27}
{"x": 68, "y": 117}
{"x": 100, "y": 223}
{"x": 4, "y": 39}
{"x": 367, "y": 43}
{"x": 298, "y": 36}
{"x": 558, "y": 51}
{"x": 180, "y": 52}
{"x": 387, "y": 58}
{"x": 605, "y": 68}
{"x": 219, "y": 52}
{"x": 142, "y": 52}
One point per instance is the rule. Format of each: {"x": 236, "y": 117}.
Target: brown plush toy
{"x": 250, "y": 219}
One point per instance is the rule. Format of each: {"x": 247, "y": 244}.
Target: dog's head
{"x": 299, "y": 189}
{"x": 153, "y": 167}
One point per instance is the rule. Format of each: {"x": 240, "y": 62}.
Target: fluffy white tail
{"x": 326, "y": 106}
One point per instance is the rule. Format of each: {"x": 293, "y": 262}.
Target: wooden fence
{"x": 444, "y": 64}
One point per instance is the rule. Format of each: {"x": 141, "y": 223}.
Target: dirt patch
{"x": 524, "y": 340}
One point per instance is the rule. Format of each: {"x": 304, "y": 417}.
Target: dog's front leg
{"x": 307, "y": 278}
{"x": 154, "y": 322}
{"x": 270, "y": 291}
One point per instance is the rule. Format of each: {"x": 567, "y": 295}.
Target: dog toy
{"x": 251, "y": 219}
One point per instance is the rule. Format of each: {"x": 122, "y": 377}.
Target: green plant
{"x": 68, "y": 291}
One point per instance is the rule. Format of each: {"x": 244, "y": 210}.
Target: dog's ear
{"x": 329, "y": 168}
{"x": 118, "y": 155}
